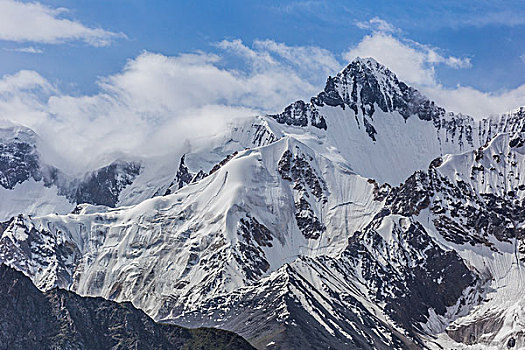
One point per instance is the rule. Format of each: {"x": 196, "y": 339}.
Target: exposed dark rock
{"x": 255, "y": 235}
{"x": 103, "y": 187}
{"x": 252, "y": 230}
{"x": 511, "y": 343}
{"x": 330, "y": 95}
{"x": 308, "y": 223}
{"x": 370, "y": 130}
{"x": 305, "y": 181}
{"x": 436, "y": 162}
{"x": 263, "y": 136}
{"x": 252, "y": 259}
{"x": 199, "y": 176}
{"x": 298, "y": 170}
{"x": 418, "y": 274}
{"x": 58, "y": 319}
{"x": 412, "y": 196}
{"x": 222, "y": 162}
{"x": 182, "y": 178}
{"x": 300, "y": 113}
{"x": 517, "y": 142}
{"x": 19, "y": 162}
{"x": 380, "y": 192}
{"x": 462, "y": 215}
{"x": 271, "y": 313}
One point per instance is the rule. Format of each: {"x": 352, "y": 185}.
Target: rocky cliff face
{"x": 103, "y": 186}
{"x": 18, "y": 163}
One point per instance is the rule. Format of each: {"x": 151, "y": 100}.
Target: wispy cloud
{"x": 35, "y": 22}
{"x": 377, "y": 24}
{"x": 428, "y": 14}
{"x": 28, "y": 49}
{"x": 495, "y": 13}
{"x": 158, "y": 102}
{"x": 311, "y": 63}
{"x": 305, "y": 5}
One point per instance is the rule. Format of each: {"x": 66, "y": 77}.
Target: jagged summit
{"x": 367, "y": 65}
{"x": 364, "y": 86}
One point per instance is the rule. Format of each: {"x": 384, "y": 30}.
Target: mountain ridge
{"x": 306, "y": 228}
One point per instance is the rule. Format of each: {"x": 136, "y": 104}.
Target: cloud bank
{"x": 34, "y": 22}
{"x": 156, "y": 103}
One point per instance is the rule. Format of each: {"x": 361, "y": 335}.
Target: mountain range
{"x": 365, "y": 218}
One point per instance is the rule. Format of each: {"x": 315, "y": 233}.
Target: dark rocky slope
{"x": 58, "y": 319}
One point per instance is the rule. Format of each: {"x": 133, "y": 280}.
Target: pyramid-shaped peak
{"x": 367, "y": 61}
{"x": 364, "y": 86}
{"x": 370, "y": 67}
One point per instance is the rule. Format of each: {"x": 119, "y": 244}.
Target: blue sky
{"x": 490, "y": 33}
{"x": 134, "y": 76}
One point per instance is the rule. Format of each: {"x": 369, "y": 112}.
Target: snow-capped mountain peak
{"x": 367, "y": 216}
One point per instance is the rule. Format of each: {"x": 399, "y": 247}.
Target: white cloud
{"x": 479, "y": 104}
{"x": 157, "y": 102}
{"x": 24, "y": 80}
{"x": 28, "y": 49}
{"x": 34, "y": 22}
{"x": 311, "y": 63}
{"x": 308, "y": 60}
{"x": 411, "y": 61}
{"x": 377, "y": 24}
